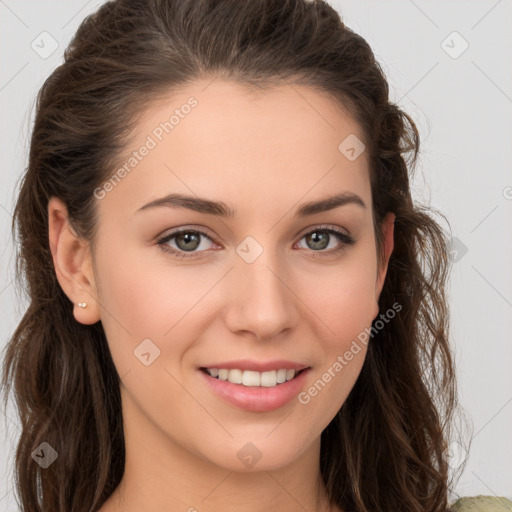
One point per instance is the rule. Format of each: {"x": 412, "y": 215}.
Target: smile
{"x": 252, "y": 390}
{"x": 252, "y": 378}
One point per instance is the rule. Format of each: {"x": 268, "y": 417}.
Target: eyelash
{"x": 346, "y": 240}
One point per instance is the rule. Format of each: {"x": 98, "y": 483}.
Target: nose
{"x": 262, "y": 300}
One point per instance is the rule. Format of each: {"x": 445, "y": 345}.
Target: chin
{"x": 250, "y": 454}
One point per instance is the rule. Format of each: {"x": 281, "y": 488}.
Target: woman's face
{"x": 263, "y": 288}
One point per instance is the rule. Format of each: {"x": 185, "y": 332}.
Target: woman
{"x": 295, "y": 355}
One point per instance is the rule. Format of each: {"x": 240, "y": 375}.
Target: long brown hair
{"x": 386, "y": 448}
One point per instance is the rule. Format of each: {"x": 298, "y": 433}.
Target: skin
{"x": 265, "y": 154}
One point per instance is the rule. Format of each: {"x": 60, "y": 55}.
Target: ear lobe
{"x": 388, "y": 225}
{"x": 72, "y": 262}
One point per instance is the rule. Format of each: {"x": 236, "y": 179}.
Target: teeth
{"x": 235, "y": 376}
{"x": 251, "y": 378}
{"x": 281, "y": 376}
{"x": 248, "y": 378}
{"x": 268, "y": 379}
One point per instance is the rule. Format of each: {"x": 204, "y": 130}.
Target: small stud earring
{"x": 82, "y": 304}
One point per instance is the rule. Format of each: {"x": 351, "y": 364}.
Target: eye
{"x": 188, "y": 243}
{"x": 185, "y": 241}
{"x": 320, "y": 239}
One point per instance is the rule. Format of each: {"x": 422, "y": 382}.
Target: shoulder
{"x": 481, "y": 504}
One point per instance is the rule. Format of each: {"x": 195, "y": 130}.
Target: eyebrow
{"x": 222, "y": 210}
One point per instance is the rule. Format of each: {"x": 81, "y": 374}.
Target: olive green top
{"x": 482, "y": 504}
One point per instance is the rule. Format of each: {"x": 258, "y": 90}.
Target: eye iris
{"x": 188, "y": 237}
{"x": 320, "y": 239}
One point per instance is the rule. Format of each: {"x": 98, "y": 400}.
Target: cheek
{"x": 344, "y": 312}
{"x": 158, "y": 301}
{"x": 342, "y": 296}
{"x": 343, "y": 305}
{"x": 342, "y": 301}
{"x": 139, "y": 302}
{"x": 146, "y": 296}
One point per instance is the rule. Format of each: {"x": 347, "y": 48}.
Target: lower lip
{"x": 256, "y": 398}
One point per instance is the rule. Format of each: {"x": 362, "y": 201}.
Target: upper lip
{"x": 258, "y": 366}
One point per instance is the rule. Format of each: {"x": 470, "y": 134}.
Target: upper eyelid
{"x": 321, "y": 227}
{"x": 177, "y": 231}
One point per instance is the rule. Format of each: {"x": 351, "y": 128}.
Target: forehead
{"x": 226, "y": 111}
{"x": 218, "y": 137}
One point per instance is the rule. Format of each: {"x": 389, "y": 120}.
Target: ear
{"x": 73, "y": 263}
{"x": 387, "y": 225}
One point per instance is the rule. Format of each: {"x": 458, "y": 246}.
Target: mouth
{"x": 252, "y": 390}
{"x": 250, "y": 378}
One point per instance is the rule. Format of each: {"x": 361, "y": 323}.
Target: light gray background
{"x": 463, "y": 109}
